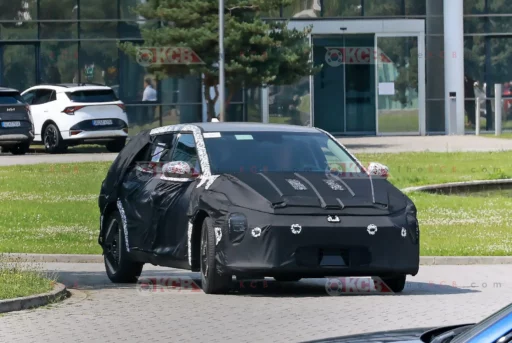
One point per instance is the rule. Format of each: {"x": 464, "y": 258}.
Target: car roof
{"x": 245, "y": 127}
{"x": 6, "y": 89}
{"x": 71, "y": 87}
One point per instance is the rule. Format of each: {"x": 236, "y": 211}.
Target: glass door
{"x": 400, "y": 93}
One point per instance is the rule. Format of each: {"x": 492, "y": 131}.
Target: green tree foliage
{"x": 256, "y": 52}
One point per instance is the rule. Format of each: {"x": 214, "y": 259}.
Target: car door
{"x": 38, "y": 100}
{"x": 172, "y": 199}
{"x": 139, "y": 195}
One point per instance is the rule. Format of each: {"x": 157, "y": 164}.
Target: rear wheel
{"x": 53, "y": 142}
{"x": 120, "y": 268}
{"x": 116, "y": 146}
{"x": 212, "y": 281}
{"x": 20, "y": 149}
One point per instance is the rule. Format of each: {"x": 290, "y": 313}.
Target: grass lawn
{"x": 18, "y": 281}
{"x": 53, "y": 208}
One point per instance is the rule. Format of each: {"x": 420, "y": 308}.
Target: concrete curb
{"x": 58, "y": 293}
{"x": 424, "y": 260}
{"x": 463, "y": 184}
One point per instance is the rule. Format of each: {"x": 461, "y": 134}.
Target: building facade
{"x": 389, "y": 66}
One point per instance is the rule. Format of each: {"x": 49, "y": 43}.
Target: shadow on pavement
{"x": 171, "y": 281}
{"x": 87, "y": 149}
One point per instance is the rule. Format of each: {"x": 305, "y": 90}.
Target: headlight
{"x": 237, "y": 225}
{"x": 412, "y": 223}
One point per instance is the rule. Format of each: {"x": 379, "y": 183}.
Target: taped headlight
{"x": 237, "y": 224}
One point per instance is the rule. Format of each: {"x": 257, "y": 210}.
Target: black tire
{"x": 287, "y": 278}
{"x": 20, "y": 149}
{"x": 5, "y": 149}
{"x": 120, "y": 268}
{"x": 395, "y": 283}
{"x": 52, "y": 139}
{"x": 212, "y": 282}
{"x": 116, "y": 146}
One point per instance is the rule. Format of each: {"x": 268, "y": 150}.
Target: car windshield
{"x": 97, "y": 95}
{"x": 232, "y": 152}
{"x": 10, "y": 98}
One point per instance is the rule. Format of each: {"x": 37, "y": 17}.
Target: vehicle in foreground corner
{"x": 74, "y": 114}
{"x": 497, "y": 328}
{"x": 16, "y": 125}
{"x": 253, "y": 201}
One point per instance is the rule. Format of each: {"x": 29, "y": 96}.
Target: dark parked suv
{"x": 16, "y": 124}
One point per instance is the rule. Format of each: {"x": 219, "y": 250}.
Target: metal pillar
{"x": 454, "y": 64}
{"x": 498, "y": 105}
{"x": 222, "y": 86}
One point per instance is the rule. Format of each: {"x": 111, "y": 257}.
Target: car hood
{"x": 415, "y": 335}
{"x": 311, "y": 193}
{"x": 398, "y": 336}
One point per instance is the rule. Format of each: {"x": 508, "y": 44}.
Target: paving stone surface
{"x": 99, "y": 311}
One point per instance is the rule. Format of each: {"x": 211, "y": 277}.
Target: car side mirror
{"x": 178, "y": 169}
{"x": 378, "y": 169}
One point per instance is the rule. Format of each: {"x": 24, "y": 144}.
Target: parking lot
{"x": 260, "y": 311}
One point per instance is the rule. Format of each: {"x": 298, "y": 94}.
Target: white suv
{"x": 72, "y": 114}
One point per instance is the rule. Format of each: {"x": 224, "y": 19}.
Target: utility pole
{"x": 222, "y": 82}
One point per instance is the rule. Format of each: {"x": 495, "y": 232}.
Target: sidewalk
{"x": 395, "y": 144}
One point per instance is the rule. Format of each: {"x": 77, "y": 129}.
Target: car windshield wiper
{"x": 450, "y": 335}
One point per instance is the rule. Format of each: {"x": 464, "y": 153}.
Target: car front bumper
{"x": 319, "y": 248}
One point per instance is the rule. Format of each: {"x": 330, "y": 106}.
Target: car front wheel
{"x": 212, "y": 282}
{"x": 120, "y": 268}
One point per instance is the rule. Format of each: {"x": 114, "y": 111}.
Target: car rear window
{"x": 99, "y": 95}
{"x": 10, "y": 98}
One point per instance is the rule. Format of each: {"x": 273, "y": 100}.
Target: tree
{"x": 256, "y": 52}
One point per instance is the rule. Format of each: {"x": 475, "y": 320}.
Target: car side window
{"x": 29, "y": 97}
{"x": 162, "y": 148}
{"x": 42, "y": 96}
{"x": 185, "y": 151}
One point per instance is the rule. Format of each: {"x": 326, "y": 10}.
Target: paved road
{"x": 101, "y": 312}
{"x": 392, "y": 144}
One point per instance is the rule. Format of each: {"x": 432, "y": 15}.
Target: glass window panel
{"x": 493, "y": 7}
{"x": 383, "y": 7}
{"x": 13, "y": 20}
{"x": 487, "y": 25}
{"x": 416, "y": 7}
{"x": 59, "y": 62}
{"x": 142, "y": 117}
{"x": 132, "y": 29}
{"x": 336, "y": 8}
{"x": 127, "y": 8}
{"x": 132, "y": 75}
{"x": 19, "y": 66}
{"x": 303, "y": 9}
{"x": 98, "y": 9}
{"x": 253, "y": 105}
{"x": 62, "y": 13}
{"x": 181, "y": 114}
{"x": 290, "y": 104}
{"x": 99, "y": 63}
